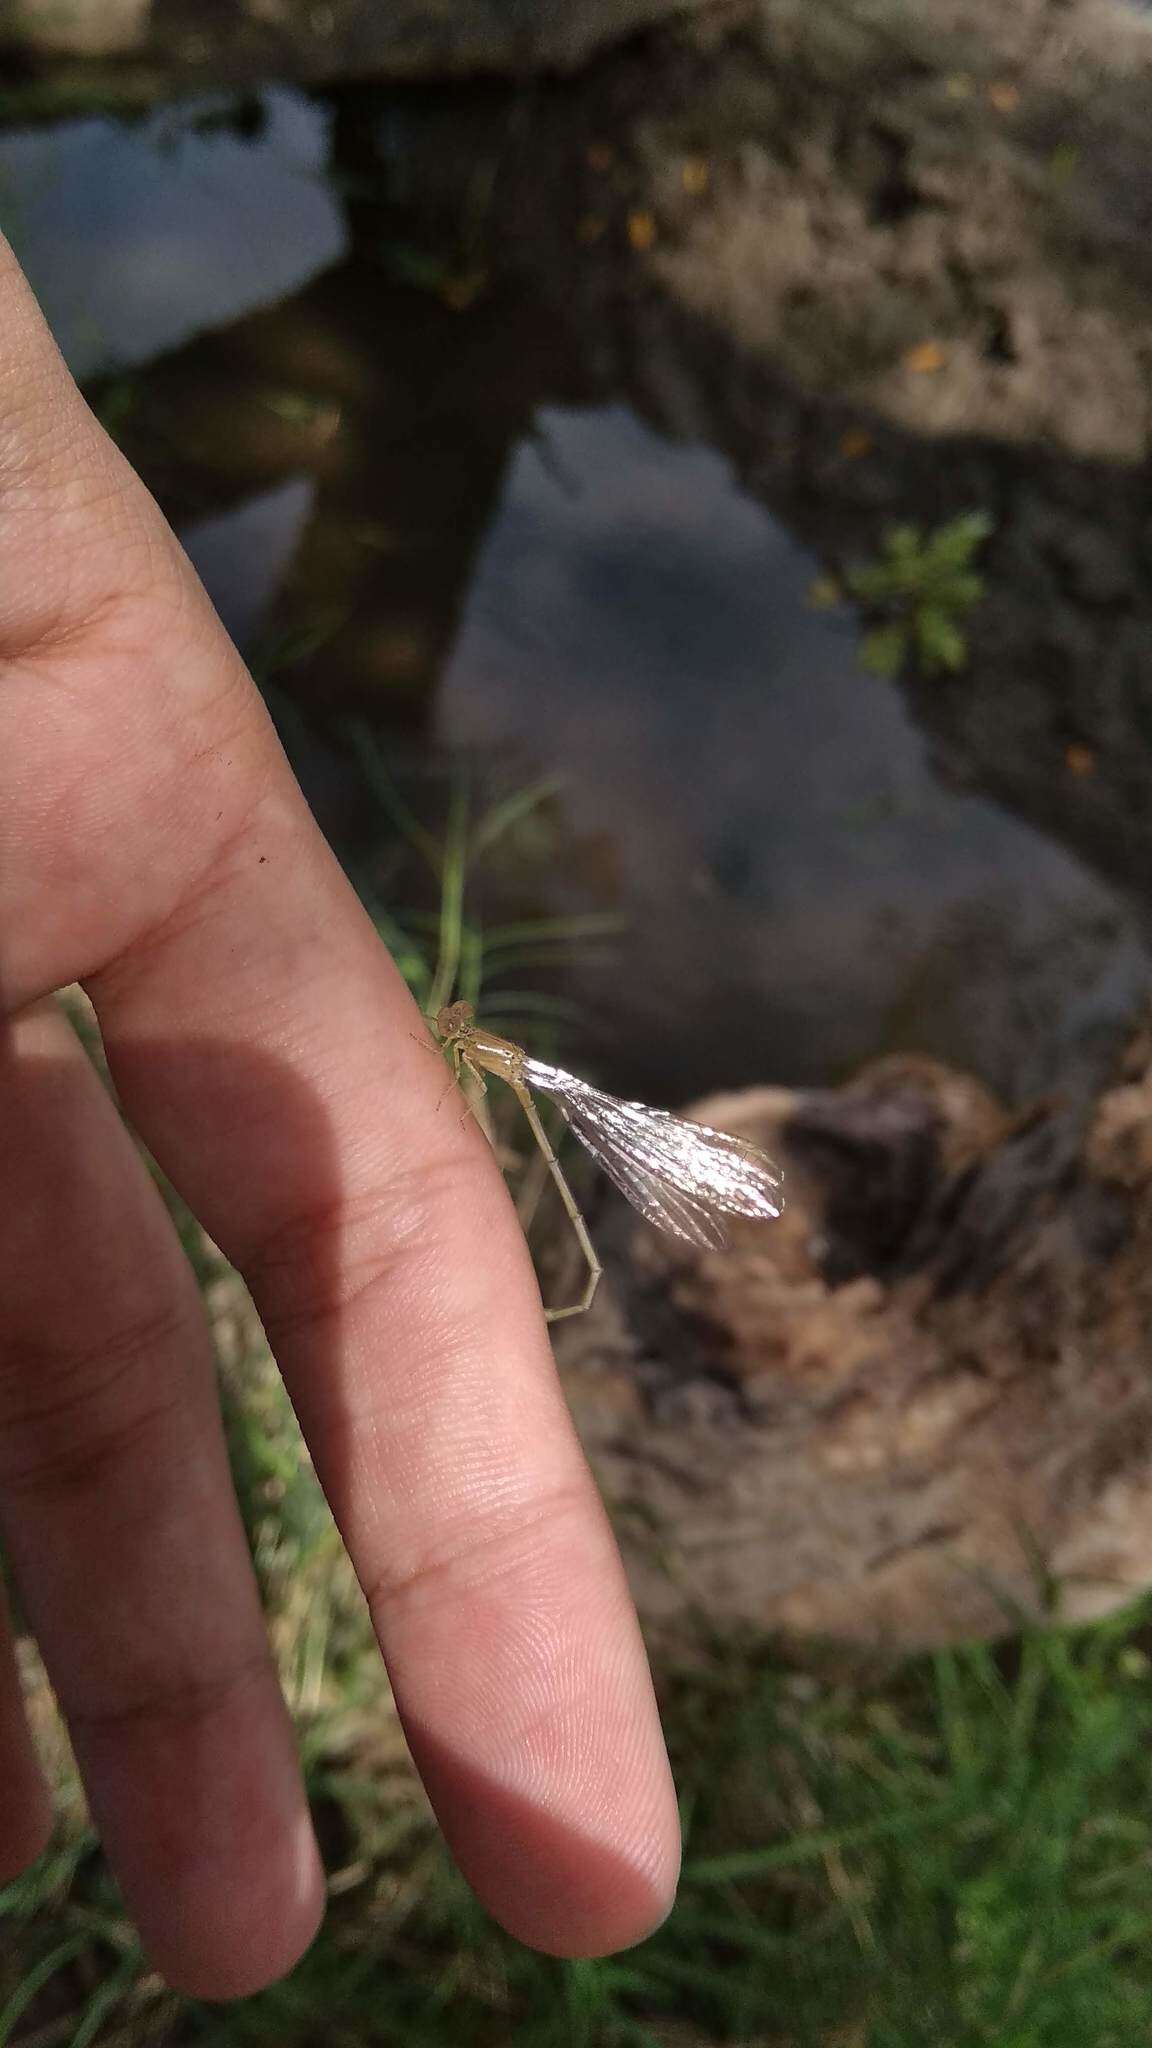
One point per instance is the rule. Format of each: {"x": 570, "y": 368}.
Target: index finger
{"x": 156, "y": 845}
{"x": 288, "y": 1100}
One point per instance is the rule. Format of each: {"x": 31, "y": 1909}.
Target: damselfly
{"x": 682, "y": 1176}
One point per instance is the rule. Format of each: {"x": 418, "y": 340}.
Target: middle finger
{"x": 127, "y": 1545}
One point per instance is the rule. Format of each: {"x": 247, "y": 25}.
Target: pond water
{"x": 425, "y": 500}
{"x": 139, "y": 236}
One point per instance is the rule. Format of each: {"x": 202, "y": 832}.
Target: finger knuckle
{"x": 315, "y": 1265}
{"x": 182, "y": 1698}
{"x": 518, "y": 1544}
{"x": 69, "y": 1416}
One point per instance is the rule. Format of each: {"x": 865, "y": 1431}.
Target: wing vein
{"x": 682, "y": 1176}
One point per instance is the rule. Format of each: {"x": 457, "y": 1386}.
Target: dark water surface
{"x": 506, "y": 568}
{"x": 137, "y": 237}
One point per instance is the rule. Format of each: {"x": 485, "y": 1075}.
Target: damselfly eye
{"x": 455, "y": 1017}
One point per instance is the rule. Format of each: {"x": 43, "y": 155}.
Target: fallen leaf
{"x": 924, "y": 359}
{"x": 1081, "y": 760}
{"x": 695, "y": 175}
{"x": 854, "y": 443}
{"x": 641, "y": 230}
{"x": 1004, "y": 97}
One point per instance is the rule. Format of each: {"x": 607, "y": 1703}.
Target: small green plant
{"x": 445, "y": 952}
{"x": 919, "y": 592}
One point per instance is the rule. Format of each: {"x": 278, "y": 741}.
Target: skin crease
{"x": 154, "y": 846}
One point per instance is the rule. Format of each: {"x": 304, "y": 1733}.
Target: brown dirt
{"x": 124, "y": 51}
{"x": 917, "y": 1408}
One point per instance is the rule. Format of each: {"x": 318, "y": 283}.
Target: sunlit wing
{"x": 681, "y": 1176}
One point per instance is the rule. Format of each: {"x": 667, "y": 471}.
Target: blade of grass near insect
{"x": 528, "y": 957}
{"x": 405, "y": 951}
{"x": 453, "y": 874}
{"x": 366, "y": 749}
{"x": 281, "y": 650}
{"x": 509, "y": 811}
{"x": 560, "y": 931}
{"x": 555, "y": 931}
{"x": 470, "y": 974}
{"x": 510, "y": 1003}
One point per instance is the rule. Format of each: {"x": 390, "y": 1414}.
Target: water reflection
{"x": 244, "y": 555}
{"x": 135, "y": 238}
{"x": 801, "y": 889}
{"x": 425, "y": 501}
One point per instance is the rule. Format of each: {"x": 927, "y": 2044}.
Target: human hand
{"x": 154, "y": 846}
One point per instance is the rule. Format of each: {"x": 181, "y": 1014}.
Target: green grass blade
{"x": 36, "y": 1979}
{"x": 809, "y": 1848}
{"x": 105, "y": 1999}
{"x": 453, "y": 875}
{"x": 559, "y": 931}
{"x": 503, "y": 816}
{"x": 366, "y": 748}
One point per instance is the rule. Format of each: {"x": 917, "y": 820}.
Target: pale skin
{"x": 154, "y": 847}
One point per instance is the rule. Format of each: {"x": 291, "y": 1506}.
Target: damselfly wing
{"x": 684, "y": 1177}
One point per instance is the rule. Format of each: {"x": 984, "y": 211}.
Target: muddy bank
{"x": 904, "y": 275}
{"x": 848, "y": 278}
{"x": 891, "y": 265}
{"x": 915, "y": 1410}
{"x": 134, "y": 52}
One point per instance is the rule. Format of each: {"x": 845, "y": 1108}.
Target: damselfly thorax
{"x": 471, "y": 1045}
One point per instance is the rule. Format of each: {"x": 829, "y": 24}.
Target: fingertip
{"x": 258, "y": 1938}
{"x": 570, "y": 1884}
{"x": 605, "y": 1902}
{"x": 598, "y": 1927}
{"x": 205, "y": 1823}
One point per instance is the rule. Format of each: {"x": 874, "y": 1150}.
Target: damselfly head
{"x": 454, "y": 1018}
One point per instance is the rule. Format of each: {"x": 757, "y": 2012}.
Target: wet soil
{"x": 919, "y": 283}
